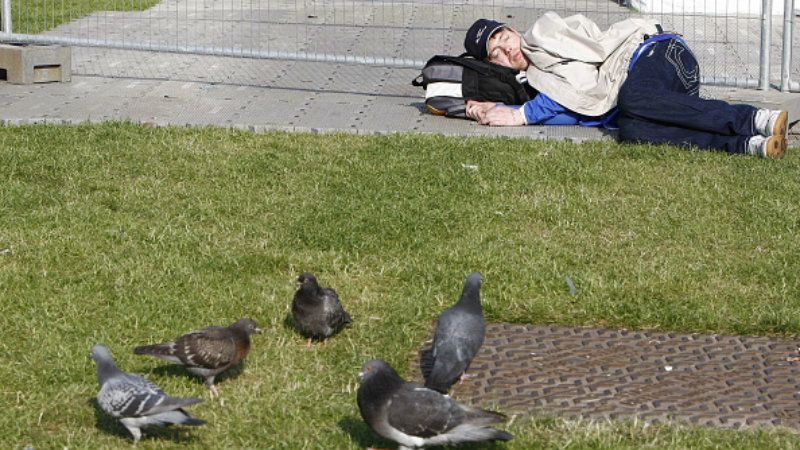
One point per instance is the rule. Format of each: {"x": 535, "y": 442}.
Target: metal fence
{"x": 745, "y": 43}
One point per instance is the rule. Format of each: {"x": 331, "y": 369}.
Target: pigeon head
{"x": 379, "y": 382}
{"x": 307, "y": 285}
{"x": 246, "y": 325}
{"x": 100, "y": 353}
{"x": 105, "y": 364}
{"x": 307, "y": 279}
{"x": 471, "y": 294}
{"x": 376, "y": 367}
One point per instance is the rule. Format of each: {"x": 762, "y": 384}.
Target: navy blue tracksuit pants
{"x": 659, "y": 103}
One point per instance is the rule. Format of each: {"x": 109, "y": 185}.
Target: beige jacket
{"x": 579, "y": 66}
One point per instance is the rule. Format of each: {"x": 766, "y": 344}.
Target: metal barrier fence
{"x": 745, "y": 43}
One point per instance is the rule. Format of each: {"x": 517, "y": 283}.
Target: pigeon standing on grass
{"x": 317, "y": 311}
{"x": 415, "y": 416}
{"x": 135, "y": 401}
{"x": 207, "y": 352}
{"x": 459, "y": 335}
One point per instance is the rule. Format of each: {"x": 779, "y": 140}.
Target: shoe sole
{"x": 776, "y": 147}
{"x": 781, "y": 125}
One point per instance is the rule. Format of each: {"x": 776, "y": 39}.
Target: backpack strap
{"x": 485, "y": 68}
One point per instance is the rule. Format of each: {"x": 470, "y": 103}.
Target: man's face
{"x": 505, "y": 49}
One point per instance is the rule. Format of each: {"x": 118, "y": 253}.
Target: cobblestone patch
{"x": 711, "y": 380}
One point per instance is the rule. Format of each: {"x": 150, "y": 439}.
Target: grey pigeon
{"x": 415, "y": 416}
{"x": 135, "y": 401}
{"x": 207, "y": 352}
{"x": 317, "y": 311}
{"x": 459, "y": 335}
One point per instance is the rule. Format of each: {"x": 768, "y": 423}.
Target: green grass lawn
{"x": 123, "y": 235}
{"x": 36, "y": 16}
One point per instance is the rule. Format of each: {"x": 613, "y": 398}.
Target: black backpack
{"x": 449, "y": 81}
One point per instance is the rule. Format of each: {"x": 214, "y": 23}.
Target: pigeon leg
{"x": 464, "y": 377}
{"x": 135, "y": 431}
{"x": 211, "y": 386}
{"x": 308, "y": 344}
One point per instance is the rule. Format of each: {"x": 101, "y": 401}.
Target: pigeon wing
{"x": 129, "y": 395}
{"x": 461, "y": 328}
{"x": 422, "y": 412}
{"x": 458, "y": 338}
{"x": 335, "y": 314}
{"x": 211, "y": 348}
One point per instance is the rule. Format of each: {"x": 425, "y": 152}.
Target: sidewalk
{"x": 293, "y": 99}
{"x": 259, "y": 94}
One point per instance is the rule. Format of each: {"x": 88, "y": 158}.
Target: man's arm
{"x": 495, "y": 114}
{"x": 539, "y": 110}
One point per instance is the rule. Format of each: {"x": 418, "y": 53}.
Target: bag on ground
{"x": 449, "y": 81}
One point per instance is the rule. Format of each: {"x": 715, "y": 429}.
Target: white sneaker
{"x": 766, "y": 146}
{"x": 771, "y": 122}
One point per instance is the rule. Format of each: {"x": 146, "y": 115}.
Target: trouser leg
{"x": 660, "y": 98}
{"x": 632, "y": 129}
{"x": 685, "y": 111}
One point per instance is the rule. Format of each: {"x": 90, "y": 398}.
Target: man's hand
{"x": 490, "y": 113}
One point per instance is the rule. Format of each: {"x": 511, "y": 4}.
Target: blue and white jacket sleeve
{"x": 543, "y": 110}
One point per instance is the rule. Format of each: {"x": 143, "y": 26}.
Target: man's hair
{"x": 476, "y": 42}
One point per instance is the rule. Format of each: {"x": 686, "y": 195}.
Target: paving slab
{"x": 655, "y": 377}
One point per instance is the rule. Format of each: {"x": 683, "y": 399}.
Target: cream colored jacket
{"x": 579, "y": 66}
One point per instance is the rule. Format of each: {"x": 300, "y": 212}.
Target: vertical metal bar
{"x": 766, "y": 37}
{"x": 786, "y": 60}
{"x": 5, "y": 26}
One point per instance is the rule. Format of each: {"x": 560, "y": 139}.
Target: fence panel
{"x": 724, "y": 34}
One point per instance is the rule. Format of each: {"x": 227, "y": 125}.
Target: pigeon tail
{"x": 469, "y": 432}
{"x": 173, "y": 404}
{"x": 485, "y": 417}
{"x": 502, "y": 436}
{"x": 165, "y": 349}
{"x": 181, "y": 417}
{"x": 426, "y": 362}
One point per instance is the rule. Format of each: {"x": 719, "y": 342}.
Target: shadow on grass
{"x": 288, "y": 323}
{"x": 361, "y": 434}
{"x": 110, "y": 425}
{"x": 179, "y": 371}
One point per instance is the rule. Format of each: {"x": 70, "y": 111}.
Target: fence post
{"x": 786, "y": 59}
{"x": 5, "y": 16}
{"x": 766, "y": 37}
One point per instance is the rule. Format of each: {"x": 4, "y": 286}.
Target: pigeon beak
{"x": 257, "y": 330}
{"x": 360, "y": 375}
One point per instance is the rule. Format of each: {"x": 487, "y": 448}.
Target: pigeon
{"x": 207, "y": 352}
{"x": 135, "y": 401}
{"x": 459, "y": 335}
{"x": 317, "y": 311}
{"x": 415, "y": 416}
